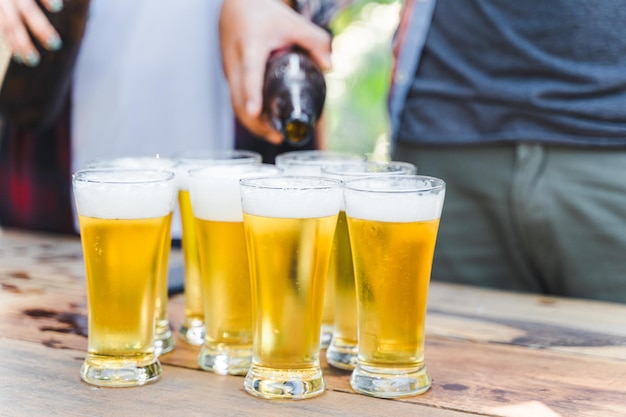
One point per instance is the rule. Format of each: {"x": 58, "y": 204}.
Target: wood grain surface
{"x": 489, "y": 353}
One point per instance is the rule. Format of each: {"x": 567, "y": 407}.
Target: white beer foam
{"x": 293, "y": 197}
{"x": 214, "y": 190}
{"x": 346, "y": 171}
{"x": 403, "y": 202}
{"x": 189, "y": 162}
{"x": 113, "y": 195}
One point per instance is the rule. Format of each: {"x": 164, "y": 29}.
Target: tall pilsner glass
{"x": 342, "y": 352}
{"x": 310, "y": 162}
{"x": 393, "y": 223}
{"x": 124, "y": 218}
{"x": 193, "y": 329}
{"x": 289, "y": 224}
{"x": 216, "y": 204}
{"x": 163, "y": 337}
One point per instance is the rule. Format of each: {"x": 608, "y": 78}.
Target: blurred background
{"x": 356, "y": 102}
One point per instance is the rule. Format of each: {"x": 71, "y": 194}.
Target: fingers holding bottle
{"x": 243, "y": 59}
{"x": 249, "y": 33}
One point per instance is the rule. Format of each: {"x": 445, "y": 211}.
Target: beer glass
{"x": 163, "y": 338}
{"x": 216, "y": 205}
{"x": 393, "y": 223}
{"x": 342, "y": 351}
{"x": 124, "y": 217}
{"x": 289, "y": 222}
{"x": 193, "y": 329}
{"x": 310, "y": 162}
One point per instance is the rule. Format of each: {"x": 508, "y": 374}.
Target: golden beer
{"x": 312, "y": 162}
{"x": 392, "y": 326}
{"x": 192, "y": 329}
{"x": 289, "y": 225}
{"x": 226, "y": 294}
{"x": 289, "y": 260}
{"x": 124, "y": 218}
{"x": 163, "y": 339}
{"x": 342, "y": 351}
{"x": 393, "y": 223}
{"x": 343, "y": 348}
{"x": 120, "y": 295}
{"x": 216, "y": 203}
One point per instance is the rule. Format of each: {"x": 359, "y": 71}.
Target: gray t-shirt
{"x": 551, "y": 71}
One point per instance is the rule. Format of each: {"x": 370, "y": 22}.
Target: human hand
{"x": 17, "y": 17}
{"x": 249, "y": 32}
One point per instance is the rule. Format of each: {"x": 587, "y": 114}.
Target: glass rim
{"x": 343, "y": 168}
{"x": 301, "y": 157}
{"x": 115, "y": 162}
{"x": 355, "y": 184}
{"x": 308, "y": 182}
{"x": 216, "y": 156}
{"x": 83, "y": 175}
{"x": 221, "y": 170}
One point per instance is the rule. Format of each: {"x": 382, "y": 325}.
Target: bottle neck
{"x": 298, "y": 129}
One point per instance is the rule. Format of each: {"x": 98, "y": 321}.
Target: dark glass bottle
{"x": 32, "y": 97}
{"x": 294, "y": 92}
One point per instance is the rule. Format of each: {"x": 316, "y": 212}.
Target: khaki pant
{"x": 530, "y": 217}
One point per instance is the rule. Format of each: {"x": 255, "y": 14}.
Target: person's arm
{"x": 17, "y": 17}
{"x": 249, "y": 32}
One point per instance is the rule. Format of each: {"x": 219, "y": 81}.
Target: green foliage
{"x": 356, "y": 108}
{"x": 351, "y": 14}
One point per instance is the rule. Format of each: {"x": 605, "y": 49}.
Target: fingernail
{"x": 55, "y": 5}
{"x": 17, "y": 57}
{"x": 54, "y": 43}
{"x": 32, "y": 59}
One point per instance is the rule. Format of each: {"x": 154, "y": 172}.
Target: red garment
{"x": 35, "y": 177}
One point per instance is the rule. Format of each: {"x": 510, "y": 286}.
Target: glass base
{"x": 390, "y": 383}
{"x": 193, "y": 331}
{"x": 284, "y": 384}
{"x": 107, "y": 371}
{"x": 225, "y": 360}
{"x": 342, "y": 354}
{"x": 326, "y": 335}
{"x": 163, "y": 340}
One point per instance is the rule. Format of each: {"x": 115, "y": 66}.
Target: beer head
{"x": 291, "y": 196}
{"x": 346, "y": 171}
{"x": 310, "y": 162}
{"x": 402, "y": 198}
{"x": 192, "y": 160}
{"x": 123, "y": 193}
{"x": 214, "y": 190}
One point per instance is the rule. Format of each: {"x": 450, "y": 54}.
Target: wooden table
{"x": 489, "y": 352}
